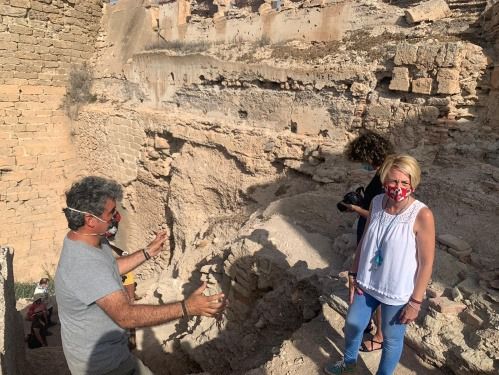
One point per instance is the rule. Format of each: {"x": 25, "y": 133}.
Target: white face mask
{"x": 113, "y": 225}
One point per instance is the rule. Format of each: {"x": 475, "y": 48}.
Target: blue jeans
{"x": 358, "y": 317}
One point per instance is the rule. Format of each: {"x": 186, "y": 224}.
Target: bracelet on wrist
{"x": 146, "y": 254}
{"x": 415, "y": 301}
{"x": 184, "y": 309}
{"x": 415, "y": 307}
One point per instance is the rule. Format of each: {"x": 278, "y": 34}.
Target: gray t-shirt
{"x": 93, "y": 343}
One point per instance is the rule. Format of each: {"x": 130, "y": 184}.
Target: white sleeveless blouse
{"x": 392, "y": 282}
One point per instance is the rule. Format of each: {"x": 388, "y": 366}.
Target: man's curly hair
{"x": 369, "y": 147}
{"x": 89, "y": 195}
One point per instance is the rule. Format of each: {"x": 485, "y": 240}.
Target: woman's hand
{"x": 349, "y": 207}
{"x": 409, "y": 313}
{"x": 156, "y": 245}
{"x": 352, "y": 289}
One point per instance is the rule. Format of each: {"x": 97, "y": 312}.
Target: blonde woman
{"x": 392, "y": 267}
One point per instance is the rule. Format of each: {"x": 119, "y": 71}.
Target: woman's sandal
{"x": 364, "y": 348}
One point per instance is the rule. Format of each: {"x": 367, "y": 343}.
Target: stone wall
{"x": 232, "y": 24}
{"x": 40, "y": 43}
{"x": 12, "y": 356}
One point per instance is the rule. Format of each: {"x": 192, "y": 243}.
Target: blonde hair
{"x": 405, "y": 163}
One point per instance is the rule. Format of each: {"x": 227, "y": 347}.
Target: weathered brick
{"x": 5, "y": 45}
{"x": 27, "y": 55}
{"x": 427, "y": 54}
{"x": 21, "y": 3}
{"x": 20, "y": 29}
{"x": 446, "y": 306}
{"x": 448, "y": 81}
{"x": 29, "y": 90}
{"x": 8, "y": 97}
{"x": 405, "y": 54}
{"x": 422, "y": 86}
{"x": 6, "y": 10}
{"x": 400, "y": 79}
{"x": 25, "y": 75}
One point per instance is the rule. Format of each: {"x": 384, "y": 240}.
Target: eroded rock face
{"x": 238, "y": 150}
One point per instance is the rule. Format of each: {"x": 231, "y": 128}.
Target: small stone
{"x": 206, "y": 268}
{"x": 435, "y": 290}
{"x": 269, "y": 146}
{"x": 456, "y": 295}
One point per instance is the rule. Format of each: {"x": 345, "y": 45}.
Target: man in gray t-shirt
{"x": 84, "y": 275}
{"x": 93, "y": 307}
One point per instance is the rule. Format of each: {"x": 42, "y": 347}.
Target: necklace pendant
{"x": 378, "y": 259}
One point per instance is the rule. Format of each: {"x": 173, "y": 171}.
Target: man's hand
{"x": 199, "y": 304}
{"x": 154, "y": 248}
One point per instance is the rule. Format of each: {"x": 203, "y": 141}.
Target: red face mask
{"x": 397, "y": 193}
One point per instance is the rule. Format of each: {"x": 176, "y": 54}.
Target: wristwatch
{"x": 124, "y": 253}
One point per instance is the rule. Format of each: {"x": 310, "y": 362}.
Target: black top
{"x": 374, "y": 188}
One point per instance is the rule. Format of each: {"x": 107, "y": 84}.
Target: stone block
{"x": 422, "y": 86}
{"x": 450, "y": 55}
{"x": 472, "y": 319}
{"x": 448, "y": 81}
{"x": 428, "y": 11}
{"x": 8, "y": 45}
{"x": 6, "y": 10}
{"x": 453, "y": 242}
{"x": 406, "y": 54}
{"x": 435, "y": 290}
{"x": 427, "y": 55}
{"x": 429, "y": 113}
{"x": 400, "y": 79}
{"x": 494, "y": 78}
{"x": 446, "y": 306}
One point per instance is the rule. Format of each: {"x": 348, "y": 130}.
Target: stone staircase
{"x": 471, "y": 7}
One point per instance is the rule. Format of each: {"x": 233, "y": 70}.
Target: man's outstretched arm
{"x": 129, "y": 262}
{"x": 126, "y": 315}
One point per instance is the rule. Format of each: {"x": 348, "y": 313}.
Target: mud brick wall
{"x": 40, "y": 42}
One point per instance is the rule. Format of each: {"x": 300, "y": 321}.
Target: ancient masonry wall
{"x": 40, "y": 42}
{"x": 12, "y": 357}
